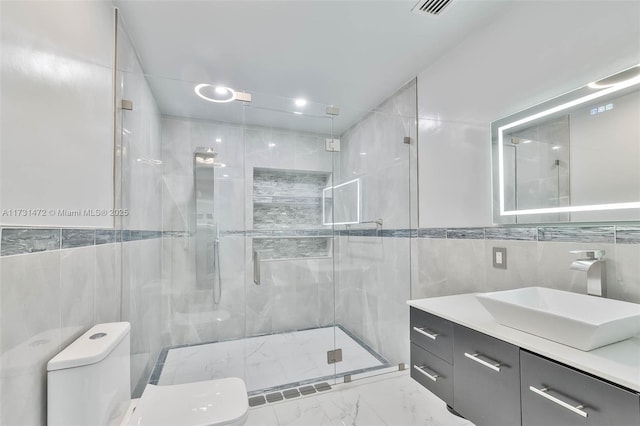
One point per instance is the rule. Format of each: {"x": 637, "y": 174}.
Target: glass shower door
{"x": 290, "y": 303}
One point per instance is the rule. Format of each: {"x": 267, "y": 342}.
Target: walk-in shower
{"x": 285, "y": 256}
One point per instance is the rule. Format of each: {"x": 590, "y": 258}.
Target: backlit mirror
{"x": 575, "y": 158}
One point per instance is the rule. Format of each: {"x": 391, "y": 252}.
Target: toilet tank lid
{"x": 92, "y": 347}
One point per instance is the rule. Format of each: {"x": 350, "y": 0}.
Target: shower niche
{"x": 287, "y": 212}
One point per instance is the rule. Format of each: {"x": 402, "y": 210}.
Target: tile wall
{"x": 454, "y": 261}
{"x": 55, "y": 283}
{"x": 140, "y": 191}
{"x": 373, "y": 269}
{"x": 294, "y": 293}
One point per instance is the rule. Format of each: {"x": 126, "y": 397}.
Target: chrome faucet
{"x": 594, "y": 266}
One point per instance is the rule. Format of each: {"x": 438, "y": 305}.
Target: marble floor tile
{"x": 268, "y": 361}
{"x": 391, "y": 399}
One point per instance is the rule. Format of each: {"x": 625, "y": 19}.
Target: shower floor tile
{"x": 271, "y": 361}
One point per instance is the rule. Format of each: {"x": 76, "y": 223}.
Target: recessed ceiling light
{"x": 218, "y": 140}
{"x": 217, "y": 94}
{"x": 363, "y": 153}
{"x": 556, "y": 147}
{"x": 271, "y": 144}
{"x": 300, "y": 102}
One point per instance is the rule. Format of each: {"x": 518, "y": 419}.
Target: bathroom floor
{"x": 272, "y": 361}
{"x": 387, "y": 399}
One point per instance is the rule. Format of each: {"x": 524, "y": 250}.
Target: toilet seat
{"x": 212, "y": 402}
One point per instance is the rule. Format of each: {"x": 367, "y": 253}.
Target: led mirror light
{"x": 619, "y": 84}
{"x": 222, "y": 94}
{"x": 330, "y": 193}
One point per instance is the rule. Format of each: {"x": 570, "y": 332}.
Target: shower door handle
{"x": 256, "y": 267}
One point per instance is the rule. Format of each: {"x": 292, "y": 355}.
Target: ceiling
{"x": 352, "y": 54}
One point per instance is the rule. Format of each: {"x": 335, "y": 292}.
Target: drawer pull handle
{"x": 425, "y": 333}
{"x": 544, "y": 393}
{"x": 495, "y": 366}
{"x": 421, "y": 369}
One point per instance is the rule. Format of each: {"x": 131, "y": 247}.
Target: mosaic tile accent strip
{"x": 432, "y": 233}
{"x": 29, "y": 240}
{"x": 287, "y": 198}
{"x": 131, "y": 235}
{"x": 170, "y": 234}
{"x": 368, "y": 233}
{"x": 108, "y": 236}
{"x": 288, "y": 183}
{"x": 32, "y": 240}
{"x": 288, "y": 216}
{"x": 627, "y": 234}
{"x": 520, "y": 234}
{"x": 291, "y": 248}
{"x": 465, "y": 233}
{"x": 78, "y": 238}
{"x": 594, "y": 234}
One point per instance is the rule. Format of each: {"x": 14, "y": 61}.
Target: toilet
{"x": 88, "y": 383}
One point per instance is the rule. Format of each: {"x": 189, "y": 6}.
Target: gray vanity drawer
{"x": 432, "y": 373}
{"x": 604, "y": 404}
{"x": 486, "y": 379}
{"x": 432, "y": 333}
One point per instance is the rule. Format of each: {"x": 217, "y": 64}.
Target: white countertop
{"x": 618, "y": 362}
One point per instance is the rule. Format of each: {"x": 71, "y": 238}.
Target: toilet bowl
{"x": 212, "y": 402}
{"x": 88, "y": 383}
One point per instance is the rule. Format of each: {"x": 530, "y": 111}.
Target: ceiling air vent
{"x": 431, "y": 7}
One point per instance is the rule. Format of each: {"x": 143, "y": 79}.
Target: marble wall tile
{"x": 522, "y": 267}
{"x": 511, "y": 233}
{"x": 31, "y": 334}
{"x": 29, "y": 240}
{"x": 311, "y": 153}
{"x": 465, "y": 233}
{"x": 77, "y": 280}
{"x": 107, "y": 236}
{"x": 465, "y": 264}
{"x": 627, "y": 234}
{"x": 287, "y": 248}
{"x": 595, "y": 234}
{"x": 432, "y": 233}
{"x": 626, "y": 285}
{"x": 143, "y": 306}
{"x": 78, "y": 238}
{"x": 432, "y": 273}
{"x": 108, "y": 289}
{"x": 554, "y": 260}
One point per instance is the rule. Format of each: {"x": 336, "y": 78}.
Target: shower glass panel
{"x": 285, "y": 252}
{"x": 290, "y": 317}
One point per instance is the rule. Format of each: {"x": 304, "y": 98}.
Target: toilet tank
{"x": 88, "y": 382}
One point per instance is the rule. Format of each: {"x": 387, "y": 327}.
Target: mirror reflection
{"x": 575, "y": 158}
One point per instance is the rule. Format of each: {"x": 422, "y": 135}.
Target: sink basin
{"x": 577, "y": 320}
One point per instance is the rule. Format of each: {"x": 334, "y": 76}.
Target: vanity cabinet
{"x": 432, "y": 353}
{"x": 553, "y": 394}
{"x": 493, "y": 383}
{"x": 486, "y": 378}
